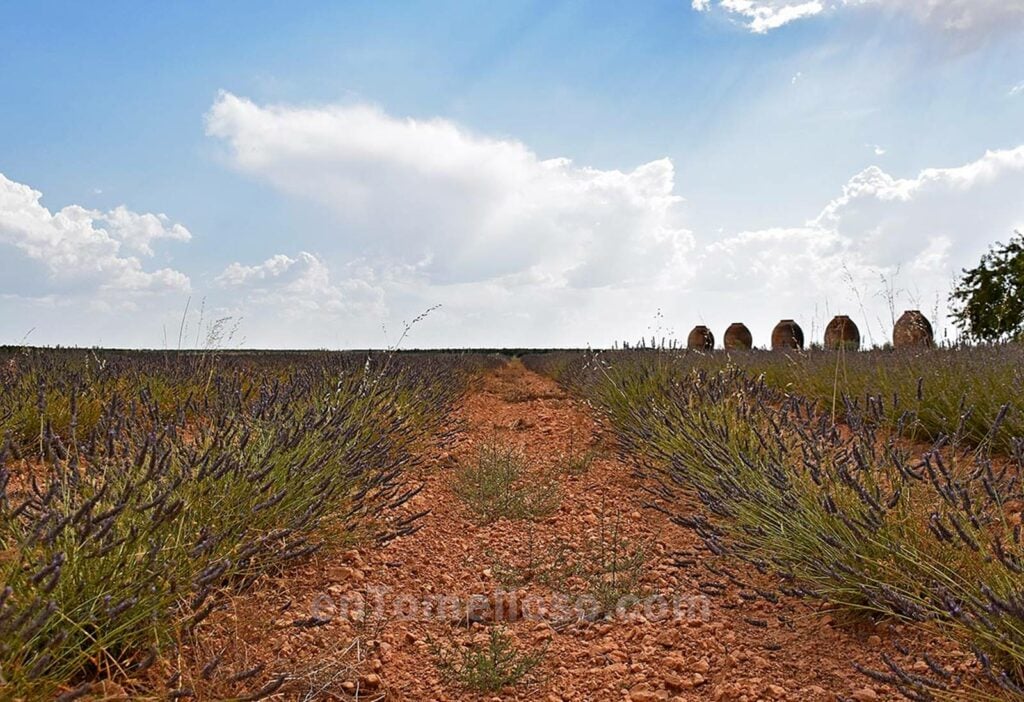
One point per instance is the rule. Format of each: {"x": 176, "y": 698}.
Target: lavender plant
{"x": 122, "y": 528}
{"x": 850, "y": 512}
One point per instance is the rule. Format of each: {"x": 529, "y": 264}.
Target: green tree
{"x": 988, "y": 302}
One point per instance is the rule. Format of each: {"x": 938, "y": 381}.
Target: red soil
{"x": 728, "y": 646}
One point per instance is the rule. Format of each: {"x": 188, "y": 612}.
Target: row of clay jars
{"x": 912, "y": 330}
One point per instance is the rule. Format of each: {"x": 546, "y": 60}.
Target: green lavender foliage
{"x": 946, "y": 390}
{"x": 136, "y": 489}
{"x": 888, "y": 508}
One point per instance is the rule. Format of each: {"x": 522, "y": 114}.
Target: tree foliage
{"x": 988, "y": 301}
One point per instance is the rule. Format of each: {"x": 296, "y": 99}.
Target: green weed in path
{"x": 488, "y": 667}
{"x": 606, "y": 568}
{"x": 497, "y": 485}
{"x": 578, "y": 457}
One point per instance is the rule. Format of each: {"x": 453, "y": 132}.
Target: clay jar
{"x": 842, "y": 334}
{"x": 912, "y": 331}
{"x": 738, "y": 337}
{"x": 787, "y": 335}
{"x": 700, "y": 338}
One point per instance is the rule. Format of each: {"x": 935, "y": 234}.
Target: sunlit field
{"x": 515, "y": 351}
{"x": 144, "y": 492}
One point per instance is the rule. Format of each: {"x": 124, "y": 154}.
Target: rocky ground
{"x": 726, "y": 634}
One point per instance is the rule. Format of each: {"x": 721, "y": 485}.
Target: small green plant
{"x": 550, "y": 565}
{"x": 490, "y": 666}
{"x": 498, "y": 486}
{"x": 608, "y": 568}
{"x": 612, "y": 565}
{"x": 578, "y": 458}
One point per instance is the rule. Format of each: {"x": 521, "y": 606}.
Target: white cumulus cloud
{"x": 300, "y": 285}
{"x": 521, "y": 249}
{"x": 761, "y": 16}
{"x": 86, "y": 248}
{"x": 458, "y": 207}
{"x": 139, "y": 231}
{"x": 969, "y": 205}
{"x": 915, "y": 232}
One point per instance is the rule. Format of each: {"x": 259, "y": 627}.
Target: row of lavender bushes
{"x": 958, "y": 388}
{"x": 836, "y": 500}
{"x": 137, "y": 489}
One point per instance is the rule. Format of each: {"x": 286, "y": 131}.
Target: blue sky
{"x": 551, "y": 173}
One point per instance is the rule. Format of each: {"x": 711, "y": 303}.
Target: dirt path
{"x": 719, "y": 640}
